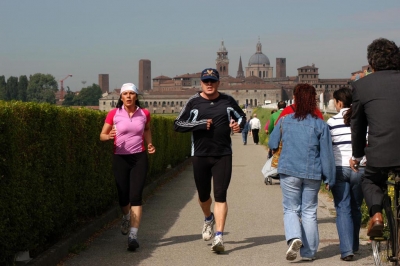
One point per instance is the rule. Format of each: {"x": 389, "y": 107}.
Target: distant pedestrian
{"x": 128, "y": 126}
{"x": 347, "y": 192}
{"x": 207, "y": 115}
{"x": 255, "y": 126}
{"x": 245, "y": 132}
{"x": 269, "y": 121}
{"x": 274, "y": 117}
{"x": 306, "y": 159}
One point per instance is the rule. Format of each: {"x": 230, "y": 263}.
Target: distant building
{"x": 109, "y": 101}
{"x": 222, "y": 61}
{"x": 280, "y": 67}
{"x": 144, "y": 75}
{"x": 255, "y": 88}
{"x": 259, "y": 64}
{"x": 104, "y": 83}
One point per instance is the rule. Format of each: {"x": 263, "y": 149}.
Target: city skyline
{"x": 178, "y": 37}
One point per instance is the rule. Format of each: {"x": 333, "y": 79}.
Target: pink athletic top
{"x": 129, "y": 138}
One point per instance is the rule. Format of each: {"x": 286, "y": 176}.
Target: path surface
{"x": 254, "y": 234}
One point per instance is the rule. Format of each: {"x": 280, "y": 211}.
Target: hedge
{"x": 55, "y": 173}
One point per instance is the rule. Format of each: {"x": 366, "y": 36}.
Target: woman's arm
{"x": 148, "y": 139}
{"x": 108, "y": 132}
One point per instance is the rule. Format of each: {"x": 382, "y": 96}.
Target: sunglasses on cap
{"x": 209, "y": 81}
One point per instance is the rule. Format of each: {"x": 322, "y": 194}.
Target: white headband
{"x": 129, "y": 87}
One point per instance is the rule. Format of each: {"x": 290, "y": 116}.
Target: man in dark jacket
{"x": 376, "y": 100}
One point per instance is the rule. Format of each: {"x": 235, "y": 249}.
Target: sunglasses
{"x": 209, "y": 81}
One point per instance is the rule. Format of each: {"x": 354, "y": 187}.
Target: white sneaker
{"x": 208, "y": 229}
{"x": 294, "y": 247}
{"x": 125, "y": 225}
{"x": 218, "y": 244}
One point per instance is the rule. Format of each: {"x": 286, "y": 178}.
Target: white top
{"x": 255, "y": 123}
{"x": 341, "y": 138}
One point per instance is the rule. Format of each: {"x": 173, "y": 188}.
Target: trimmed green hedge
{"x": 56, "y": 174}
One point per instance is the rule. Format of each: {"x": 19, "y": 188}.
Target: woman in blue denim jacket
{"x": 306, "y": 159}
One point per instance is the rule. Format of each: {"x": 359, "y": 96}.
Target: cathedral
{"x": 252, "y": 88}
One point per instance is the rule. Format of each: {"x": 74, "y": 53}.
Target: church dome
{"x": 259, "y": 59}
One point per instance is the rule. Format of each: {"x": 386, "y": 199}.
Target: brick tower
{"x": 144, "y": 75}
{"x": 104, "y": 83}
{"x": 281, "y": 67}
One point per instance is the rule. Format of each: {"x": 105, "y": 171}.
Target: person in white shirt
{"x": 255, "y": 126}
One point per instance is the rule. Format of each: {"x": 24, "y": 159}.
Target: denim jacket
{"x": 306, "y": 148}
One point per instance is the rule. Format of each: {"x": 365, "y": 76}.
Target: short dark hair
{"x": 281, "y": 104}
{"x": 383, "y": 54}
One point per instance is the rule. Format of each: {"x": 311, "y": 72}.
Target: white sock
{"x": 133, "y": 232}
{"x": 127, "y": 216}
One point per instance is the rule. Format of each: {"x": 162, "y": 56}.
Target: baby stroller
{"x": 268, "y": 179}
{"x": 269, "y": 172}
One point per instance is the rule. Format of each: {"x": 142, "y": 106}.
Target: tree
{"x": 41, "y": 88}
{"x": 3, "y": 92}
{"x": 68, "y": 98}
{"x": 22, "y": 87}
{"x": 88, "y": 96}
{"x": 12, "y": 88}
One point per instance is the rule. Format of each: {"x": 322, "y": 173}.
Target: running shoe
{"x": 294, "y": 247}
{"x": 308, "y": 259}
{"x": 133, "y": 244}
{"x": 125, "y": 225}
{"x": 218, "y": 244}
{"x": 208, "y": 229}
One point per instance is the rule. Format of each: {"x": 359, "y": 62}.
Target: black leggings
{"x": 217, "y": 167}
{"x": 130, "y": 173}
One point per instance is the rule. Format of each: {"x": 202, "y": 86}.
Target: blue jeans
{"x": 244, "y": 137}
{"x": 348, "y": 197}
{"x": 300, "y": 202}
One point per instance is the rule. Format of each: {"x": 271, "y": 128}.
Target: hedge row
{"x": 55, "y": 173}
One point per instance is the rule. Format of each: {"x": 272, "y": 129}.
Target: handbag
{"x": 277, "y": 153}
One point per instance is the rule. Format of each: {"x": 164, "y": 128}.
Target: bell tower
{"x": 222, "y": 61}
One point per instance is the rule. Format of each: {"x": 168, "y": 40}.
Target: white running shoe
{"x": 218, "y": 244}
{"x": 294, "y": 247}
{"x": 208, "y": 230}
{"x": 125, "y": 225}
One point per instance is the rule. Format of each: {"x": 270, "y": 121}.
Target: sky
{"x": 87, "y": 38}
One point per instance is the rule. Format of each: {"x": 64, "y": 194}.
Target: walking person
{"x": 245, "y": 132}
{"x": 306, "y": 159}
{"x": 269, "y": 121}
{"x": 375, "y": 105}
{"x": 274, "y": 116}
{"x": 255, "y": 126}
{"x": 128, "y": 126}
{"x": 207, "y": 115}
{"x": 347, "y": 192}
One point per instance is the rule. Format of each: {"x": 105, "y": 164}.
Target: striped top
{"x": 341, "y": 138}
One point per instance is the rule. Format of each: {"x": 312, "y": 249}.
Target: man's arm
{"x": 271, "y": 124}
{"x": 187, "y": 120}
{"x": 239, "y": 116}
{"x": 359, "y": 125}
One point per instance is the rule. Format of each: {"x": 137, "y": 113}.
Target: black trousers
{"x": 254, "y": 132}
{"x": 373, "y": 183}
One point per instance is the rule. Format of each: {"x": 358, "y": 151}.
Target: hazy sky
{"x": 86, "y": 38}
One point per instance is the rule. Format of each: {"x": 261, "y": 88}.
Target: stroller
{"x": 269, "y": 172}
{"x": 268, "y": 179}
